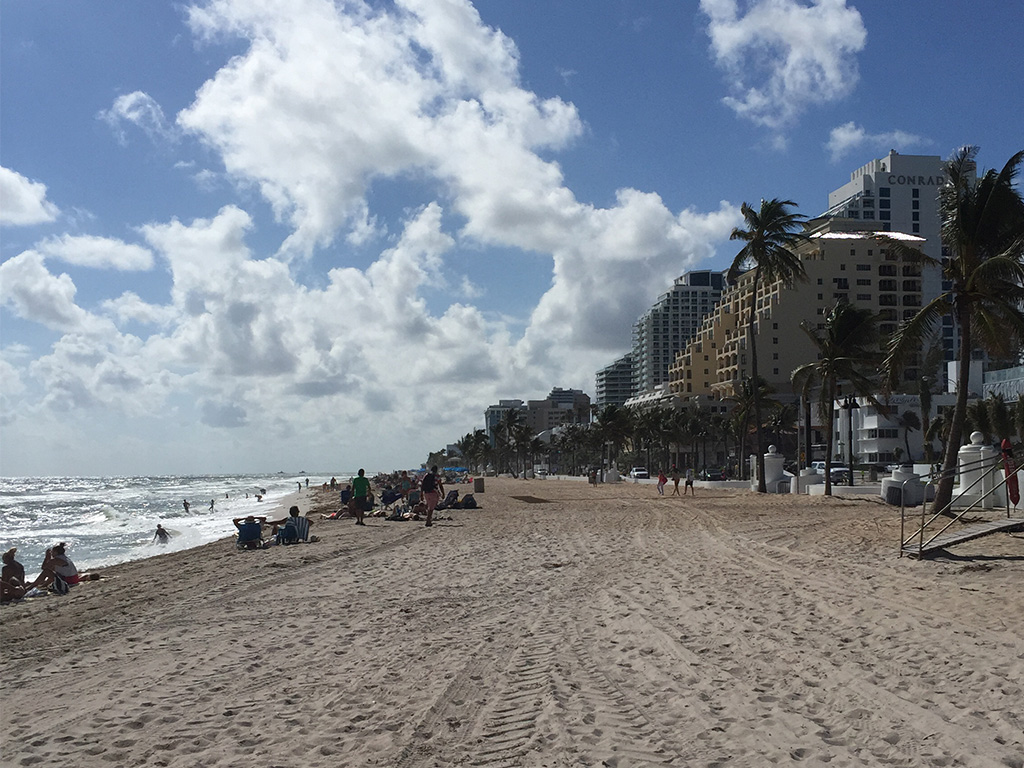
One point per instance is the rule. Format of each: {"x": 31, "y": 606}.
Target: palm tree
{"x": 613, "y": 427}
{"x": 908, "y": 421}
{"x": 999, "y": 417}
{"x": 770, "y": 238}
{"x": 744, "y": 398}
{"x": 925, "y": 383}
{"x": 847, "y": 352}
{"x": 977, "y": 419}
{"x": 983, "y": 229}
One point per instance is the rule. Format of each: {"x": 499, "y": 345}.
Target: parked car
{"x": 639, "y": 473}
{"x": 712, "y": 474}
{"x": 840, "y": 474}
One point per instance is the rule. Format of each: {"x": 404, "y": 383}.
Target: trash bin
{"x": 894, "y": 495}
{"x": 873, "y": 474}
{"x": 478, "y": 485}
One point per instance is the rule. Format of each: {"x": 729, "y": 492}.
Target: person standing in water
{"x": 162, "y": 534}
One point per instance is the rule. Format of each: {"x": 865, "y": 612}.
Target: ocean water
{"x": 109, "y": 520}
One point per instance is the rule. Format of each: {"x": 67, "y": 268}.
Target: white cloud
{"x": 23, "y": 201}
{"x": 422, "y": 91}
{"x": 784, "y": 55}
{"x": 97, "y": 252}
{"x": 141, "y": 110}
{"x": 129, "y": 307}
{"x": 850, "y": 137}
{"x": 36, "y": 295}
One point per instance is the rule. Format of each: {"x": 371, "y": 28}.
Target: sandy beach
{"x": 563, "y": 624}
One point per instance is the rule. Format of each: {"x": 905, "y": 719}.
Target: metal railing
{"x": 988, "y": 465}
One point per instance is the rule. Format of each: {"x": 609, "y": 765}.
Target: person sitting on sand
{"x": 250, "y": 532}
{"x": 162, "y": 534}
{"x": 12, "y": 579}
{"x": 293, "y": 529}
{"x": 58, "y": 566}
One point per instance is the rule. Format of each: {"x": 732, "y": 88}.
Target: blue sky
{"x": 252, "y": 236}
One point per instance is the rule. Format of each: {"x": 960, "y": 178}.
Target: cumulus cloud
{"x": 24, "y": 201}
{"x": 419, "y": 90}
{"x": 140, "y": 110}
{"x": 784, "y": 56}
{"x": 97, "y": 252}
{"x": 28, "y": 288}
{"x": 850, "y": 137}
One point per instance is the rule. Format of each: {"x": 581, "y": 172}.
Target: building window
{"x": 915, "y": 216}
{"x": 885, "y": 215}
{"x": 821, "y": 297}
{"x": 775, "y": 340}
{"x": 869, "y": 214}
{"x": 915, "y": 193}
{"x": 820, "y": 282}
{"x": 864, "y": 281}
{"x": 883, "y": 191}
{"x": 915, "y": 228}
{"x": 884, "y": 203}
{"x": 863, "y": 297}
{"x": 863, "y": 267}
{"x": 853, "y": 214}
{"x": 915, "y": 204}
{"x": 775, "y": 355}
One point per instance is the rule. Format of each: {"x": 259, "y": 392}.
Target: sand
{"x": 587, "y": 626}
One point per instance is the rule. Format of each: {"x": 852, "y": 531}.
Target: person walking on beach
{"x": 661, "y": 482}
{"x": 432, "y": 489}
{"x": 675, "y": 481}
{"x": 360, "y": 496}
{"x": 162, "y": 533}
{"x": 689, "y": 481}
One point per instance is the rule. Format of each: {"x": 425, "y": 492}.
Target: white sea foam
{"x": 112, "y": 520}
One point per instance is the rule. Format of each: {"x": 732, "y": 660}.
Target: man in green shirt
{"x": 360, "y": 496}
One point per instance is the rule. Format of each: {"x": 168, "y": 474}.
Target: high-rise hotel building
{"x": 664, "y": 329}
{"x": 658, "y": 335}
{"x": 897, "y": 194}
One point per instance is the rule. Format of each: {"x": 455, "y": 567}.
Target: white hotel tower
{"x": 900, "y": 192}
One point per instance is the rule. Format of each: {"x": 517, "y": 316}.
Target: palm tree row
{"x": 982, "y": 224}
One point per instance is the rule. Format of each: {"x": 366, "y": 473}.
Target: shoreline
{"x": 561, "y": 623}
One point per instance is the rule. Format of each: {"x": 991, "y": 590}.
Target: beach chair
{"x": 389, "y": 497}
{"x": 449, "y": 501}
{"x": 294, "y": 531}
{"x": 250, "y": 536}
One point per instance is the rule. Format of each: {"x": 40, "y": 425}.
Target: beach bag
{"x": 59, "y": 586}
{"x": 468, "y": 502}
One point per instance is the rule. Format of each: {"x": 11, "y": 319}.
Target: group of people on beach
{"x": 663, "y": 481}
{"x": 414, "y": 498}
{"x": 419, "y": 496}
{"x": 58, "y": 574}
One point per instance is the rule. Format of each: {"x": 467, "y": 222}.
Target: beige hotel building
{"x": 843, "y": 259}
